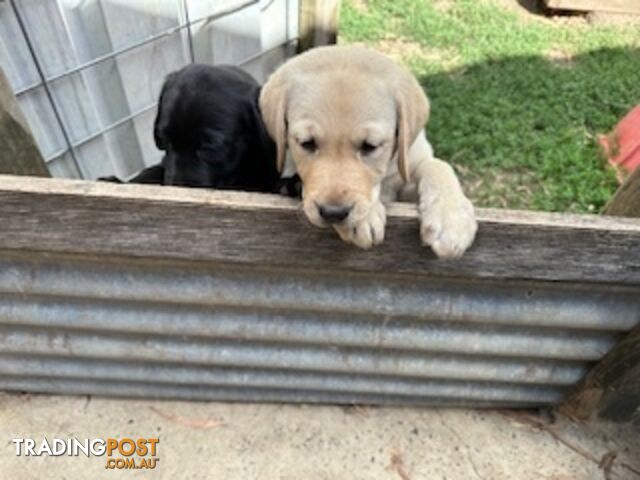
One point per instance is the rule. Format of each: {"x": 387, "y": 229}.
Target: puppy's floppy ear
{"x": 273, "y": 98}
{"x": 168, "y": 97}
{"x": 412, "y": 108}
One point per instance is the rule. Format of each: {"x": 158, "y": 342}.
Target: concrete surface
{"x": 246, "y": 442}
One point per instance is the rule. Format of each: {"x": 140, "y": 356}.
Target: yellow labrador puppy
{"x": 353, "y": 123}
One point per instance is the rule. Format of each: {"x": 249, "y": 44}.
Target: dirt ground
{"x": 246, "y": 442}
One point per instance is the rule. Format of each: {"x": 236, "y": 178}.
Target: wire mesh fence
{"x": 88, "y": 73}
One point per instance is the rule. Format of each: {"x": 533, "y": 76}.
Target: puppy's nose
{"x": 333, "y": 213}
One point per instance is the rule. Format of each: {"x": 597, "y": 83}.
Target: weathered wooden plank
{"x": 617, "y": 6}
{"x": 318, "y": 23}
{"x": 19, "y": 154}
{"x": 69, "y": 216}
{"x": 626, "y": 201}
{"x": 612, "y": 389}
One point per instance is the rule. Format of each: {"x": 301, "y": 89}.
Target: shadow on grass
{"x": 522, "y": 131}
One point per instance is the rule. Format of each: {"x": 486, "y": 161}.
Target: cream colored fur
{"x": 342, "y": 98}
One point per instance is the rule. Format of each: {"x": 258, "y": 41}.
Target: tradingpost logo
{"x": 121, "y": 454}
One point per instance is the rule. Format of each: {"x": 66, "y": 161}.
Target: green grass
{"x": 517, "y": 100}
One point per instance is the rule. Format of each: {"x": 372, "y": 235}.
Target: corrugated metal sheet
{"x": 174, "y": 330}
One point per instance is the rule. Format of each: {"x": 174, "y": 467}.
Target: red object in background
{"x": 622, "y": 146}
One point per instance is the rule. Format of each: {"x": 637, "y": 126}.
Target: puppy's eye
{"x": 309, "y": 145}
{"x": 366, "y": 148}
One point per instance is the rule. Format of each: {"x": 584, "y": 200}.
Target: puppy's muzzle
{"x": 334, "y": 213}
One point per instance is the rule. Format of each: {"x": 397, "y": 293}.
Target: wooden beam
{"x": 615, "y": 6}
{"x": 612, "y": 389}
{"x": 19, "y": 154}
{"x": 318, "y": 23}
{"x": 80, "y": 217}
{"x": 626, "y": 201}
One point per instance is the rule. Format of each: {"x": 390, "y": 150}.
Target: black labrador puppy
{"x": 210, "y": 128}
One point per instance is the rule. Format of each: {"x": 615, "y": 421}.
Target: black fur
{"x": 209, "y": 126}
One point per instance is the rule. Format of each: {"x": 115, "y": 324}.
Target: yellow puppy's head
{"x": 344, "y": 113}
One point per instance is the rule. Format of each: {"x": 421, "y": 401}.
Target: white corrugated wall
{"x": 104, "y": 62}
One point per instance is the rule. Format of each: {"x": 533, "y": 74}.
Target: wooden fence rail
{"x": 185, "y": 293}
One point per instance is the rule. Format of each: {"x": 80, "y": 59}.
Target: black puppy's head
{"x": 210, "y": 127}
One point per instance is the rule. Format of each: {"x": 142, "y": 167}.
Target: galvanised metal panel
{"x": 227, "y": 332}
{"x": 228, "y": 394}
{"x": 184, "y": 293}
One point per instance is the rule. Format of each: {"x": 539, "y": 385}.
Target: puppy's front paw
{"x": 448, "y": 226}
{"x": 367, "y": 232}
